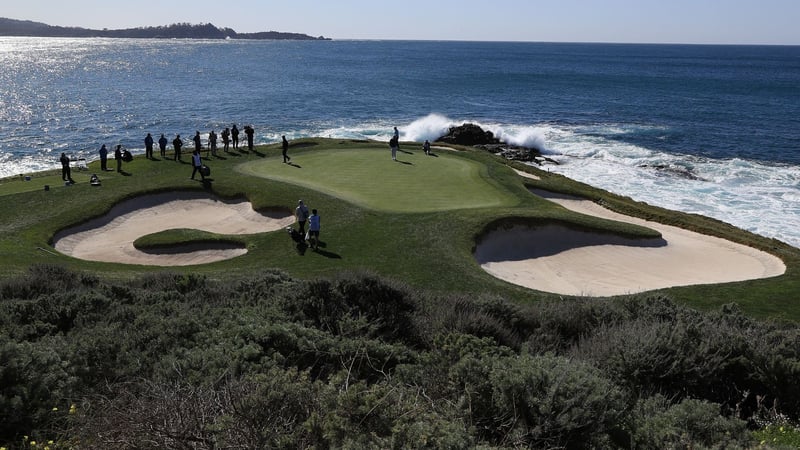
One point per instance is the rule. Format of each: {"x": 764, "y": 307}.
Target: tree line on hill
{"x": 12, "y": 27}
{"x": 359, "y": 361}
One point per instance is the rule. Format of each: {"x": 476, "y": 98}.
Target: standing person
{"x": 177, "y": 143}
{"x": 226, "y": 138}
{"x": 197, "y": 164}
{"x": 148, "y": 146}
{"x": 197, "y": 142}
{"x": 301, "y": 212}
{"x": 285, "y": 145}
{"x": 393, "y": 146}
{"x": 212, "y": 142}
{"x": 396, "y": 134}
{"x": 103, "y": 158}
{"x": 426, "y": 147}
{"x": 66, "y": 171}
{"x": 249, "y": 131}
{"x": 313, "y": 229}
{"x": 118, "y": 157}
{"x": 235, "y": 137}
{"x": 162, "y": 145}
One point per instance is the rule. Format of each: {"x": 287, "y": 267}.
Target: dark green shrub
{"x": 43, "y": 279}
{"x": 34, "y": 379}
{"x": 387, "y": 415}
{"x": 654, "y": 422}
{"x": 551, "y": 402}
{"x": 323, "y": 304}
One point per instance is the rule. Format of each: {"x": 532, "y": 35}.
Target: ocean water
{"x": 713, "y": 130}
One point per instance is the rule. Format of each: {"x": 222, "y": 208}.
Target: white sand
{"x": 569, "y": 262}
{"x": 110, "y": 238}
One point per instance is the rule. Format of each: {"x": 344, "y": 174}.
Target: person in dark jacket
{"x": 177, "y": 143}
{"x": 118, "y": 157}
{"x": 103, "y": 158}
{"x": 162, "y": 145}
{"x": 148, "y": 146}
{"x": 235, "y": 137}
{"x": 66, "y": 172}
{"x": 285, "y": 145}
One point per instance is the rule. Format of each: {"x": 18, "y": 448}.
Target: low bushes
{"x": 359, "y": 361}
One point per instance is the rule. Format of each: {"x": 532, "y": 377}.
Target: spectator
{"x": 235, "y": 137}
{"x": 162, "y": 145}
{"x": 103, "y": 158}
{"x": 66, "y": 172}
{"x": 177, "y": 143}
{"x": 118, "y": 157}
{"x": 249, "y": 131}
{"x": 148, "y": 146}
{"x": 212, "y": 142}
{"x": 226, "y": 138}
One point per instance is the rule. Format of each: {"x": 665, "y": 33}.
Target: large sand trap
{"x": 110, "y": 238}
{"x": 556, "y": 259}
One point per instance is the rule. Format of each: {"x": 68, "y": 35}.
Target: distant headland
{"x": 13, "y": 27}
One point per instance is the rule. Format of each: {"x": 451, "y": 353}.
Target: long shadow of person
{"x": 405, "y": 162}
{"x": 294, "y": 165}
{"x": 325, "y": 253}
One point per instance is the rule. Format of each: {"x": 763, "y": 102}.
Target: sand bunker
{"x": 565, "y": 261}
{"x": 110, "y": 238}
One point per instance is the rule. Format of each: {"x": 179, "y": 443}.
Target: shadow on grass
{"x": 405, "y": 162}
{"x": 325, "y": 253}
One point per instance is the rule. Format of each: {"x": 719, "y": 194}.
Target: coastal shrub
{"x": 686, "y": 359}
{"x": 35, "y": 378}
{"x": 723, "y": 357}
{"x": 389, "y": 415}
{"x": 504, "y": 322}
{"x": 263, "y": 411}
{"x": 560, "y": 325}
{"x": 454, "y": 369}
{"x": 552, "y": 402}
{"x": 323, "y": 304}
{"x": 42, "y": 279}
{"x": 655, "y": 422}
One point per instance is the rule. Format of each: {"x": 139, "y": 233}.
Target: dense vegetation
{"x": 11, "y": 27}
{"x": 357, "y": 361}
{"x": 277, "y": 349}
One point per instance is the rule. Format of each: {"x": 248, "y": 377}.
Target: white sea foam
{"x": 761, "y": 198}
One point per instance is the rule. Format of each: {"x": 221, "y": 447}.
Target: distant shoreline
{"x": 27, "y": 28}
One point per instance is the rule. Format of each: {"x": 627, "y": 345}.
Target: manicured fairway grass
{"x": 369, "y": 178}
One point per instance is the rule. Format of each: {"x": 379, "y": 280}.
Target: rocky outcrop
{"x": 472, "y": 135}
{"x": 468, "y": 134}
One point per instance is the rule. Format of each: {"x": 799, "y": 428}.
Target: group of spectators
{"x": 230, "y": 139}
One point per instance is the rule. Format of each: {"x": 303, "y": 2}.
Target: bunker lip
{"x": 110, "y": 238}
{"x": 566, "y": 261}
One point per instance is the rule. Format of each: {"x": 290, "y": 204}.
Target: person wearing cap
{"x": 301, "y": 212}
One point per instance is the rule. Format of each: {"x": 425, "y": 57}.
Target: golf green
{"x": 369, "y": 178}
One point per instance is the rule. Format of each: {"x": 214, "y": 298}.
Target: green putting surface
{"x": 369, "y": 178}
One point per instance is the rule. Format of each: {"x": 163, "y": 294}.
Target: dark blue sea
{"x": 713, "y": 130}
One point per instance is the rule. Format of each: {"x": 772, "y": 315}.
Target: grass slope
{"x": 416, "y": 220}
